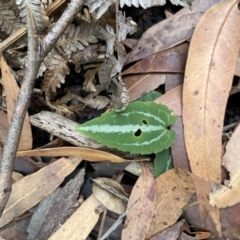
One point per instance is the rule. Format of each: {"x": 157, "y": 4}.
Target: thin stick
{"x": 37, "y": 50}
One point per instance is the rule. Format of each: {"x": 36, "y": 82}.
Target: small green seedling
{"x": 141, "y": 128}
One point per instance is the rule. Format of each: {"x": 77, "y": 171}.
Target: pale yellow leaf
{"x": 81, "y": 223}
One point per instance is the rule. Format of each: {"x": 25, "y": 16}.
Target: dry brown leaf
{"x": 31, "y": 189}
{"x": 170, "y": 32}
{"x": 229, "y": 195}
{"x": 208, "y": 78}
{"x": 172, "y": 99}
{"x": 81, "y": 223}
{"x": 172, "y": 60}
{"x": 111, "y": 194}
{"x": 140, "y": 215}
{"x": 174, "y": 189}
{"x": 140, "y": 84}
{"x": 171, "y": 233}
{"x": 173, "y": 80}
{"x": 84, "y": 153}
{"x": 12, "y": 91}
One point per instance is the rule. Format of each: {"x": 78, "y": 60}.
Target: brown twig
{"x": 37, "y": 50}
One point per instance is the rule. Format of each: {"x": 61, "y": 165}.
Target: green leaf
{"x": 162, "y": 162}
{"x": 141, "y": 128}
{"x": 151, "y": 96}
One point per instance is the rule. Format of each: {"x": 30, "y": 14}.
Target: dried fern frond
{"x": 37, "y": 12}
{"x": 106, "y": 70}
{"x": 124, "y": 97}
{"x": 98, "y": 102}
{"x": 76, "y": 38}
{"x": 109, "y": 37}
{"x": 56, "y": 73}
{"x": 90, "y": 79}
{"x": 150, "y": 3}
{"x": 9, "y": 22}
{"x": 126, "y": 26}
{"x": 101, "y": 5}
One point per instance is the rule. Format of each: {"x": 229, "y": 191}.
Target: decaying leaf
{"x": 111, "y": 194}
{"x": 208, "y": 80}
{"x": 12, "y": 91}
{"x": 141, "y": 128}
{"x": 174, "y": 189}
{"x": 140, "y": 215}
{"x": 30, "y": 190}
{"x": 81, "y": 223}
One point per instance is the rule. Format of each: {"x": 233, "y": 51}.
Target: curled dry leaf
{"x": 140, "y": 84}
{"x": 172, "y": 99}
{"x": 174, "y": 189}
{"x": 81, "y": 223}
{"x": 229, "y": 195}
{"x": 141, "y": 213}
{"x": 12, "y": 91}
{"x": 111, "y": 194}
{"x": 84, "y": 153}
{"x": 208, "y": 80}
{"x": 30, "y": 190}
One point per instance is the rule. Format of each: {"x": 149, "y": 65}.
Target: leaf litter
{"x": 193, "y": 42}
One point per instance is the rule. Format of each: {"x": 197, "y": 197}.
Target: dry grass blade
{"x": 208, "y": 78}
{"x": 31, "y": 189}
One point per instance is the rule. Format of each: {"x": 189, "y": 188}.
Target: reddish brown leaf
{"x": 208, "y": 79}
{"x": 179, "y": 154}
{"x": 172, "y": 60}
{"x": 173, "y": 80}
{"x": 140, "y": 215}
{"x": 172, "y": 99}
{"x": 140, "y": 84}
